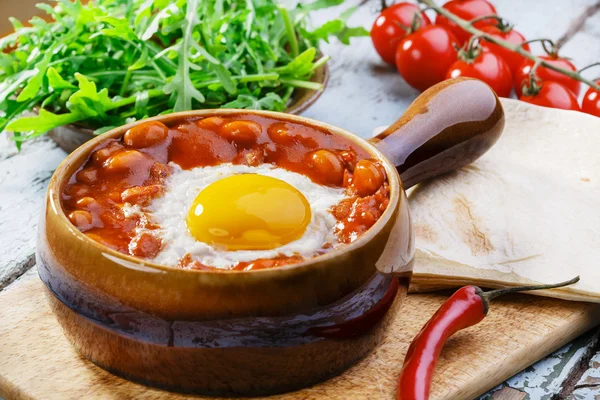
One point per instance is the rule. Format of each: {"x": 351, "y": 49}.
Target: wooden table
{"x": 362, "y": 94}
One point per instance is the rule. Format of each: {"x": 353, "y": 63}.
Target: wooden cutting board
{"x": 37, "y": 362}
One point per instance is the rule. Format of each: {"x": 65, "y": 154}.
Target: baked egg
{"x": 226, "y": 214}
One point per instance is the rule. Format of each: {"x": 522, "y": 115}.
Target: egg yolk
{"x": 249, "y": 212}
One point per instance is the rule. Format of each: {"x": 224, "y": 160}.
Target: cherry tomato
{"x": 591, "y": 101}
{"x": 487, "y": 67}
{"x": 466, "y": 9}
{"x": 513, "y": 59}
{"x": 554, "y": 95}
{"x": 387, "y": 32}
{"x": 522, "y": 74}
{"x": 423, "y": 57}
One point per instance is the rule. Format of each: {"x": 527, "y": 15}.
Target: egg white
{"x": 182, "y": 186}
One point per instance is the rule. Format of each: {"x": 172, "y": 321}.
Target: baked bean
{"x": 81, "y": 219}
{"x": 368, "y": 178}
{"x": 142, "y": 195}
{"x": 124, "y": 161}
{"x": 280, "y": 134}
{"x": 243, "y": 133}
{"x": 87, "y": 203}
{"x": 328, "y": 166}
{"x": 99, "y": 156}
{"x": 211, "y": 123}
{"x": 87, "y": 175}
{"x": 145, "y": 135}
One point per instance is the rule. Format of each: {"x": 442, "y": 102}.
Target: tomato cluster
{"x": 426, "y": 53}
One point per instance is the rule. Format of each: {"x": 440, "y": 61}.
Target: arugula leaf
{"x": 181, "y": 84}
{"x": 120, "y": 28}
{"x": 10, "y": 86}
{"x": 141, "y": 62}
{"x": 301, "y": 65}
{"x": 11, "y": 39}
{"x": 271, "y": 101}
{"x": 48, "y": 9}
{"x": 87, "y": 101}
{"x": 35, "y": 83}
{"x": 338, "y": 28}
{"x": 225, "y": 78}
{"x": 154, "y": 22}
{"x": 319, "y": 4}
{"x": 347, "y": 33}
{"x": 43, "y": 122}
{"x": 56, "y": 81}
{"x": 9, "y": 110}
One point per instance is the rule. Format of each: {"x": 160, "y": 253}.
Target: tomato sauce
{"x": 132, "y": 170}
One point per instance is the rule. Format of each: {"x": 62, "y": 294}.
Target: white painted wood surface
{"x": 363, "y": 94}
{"x": 588, "y": 386}
{"x": 23, "y": 180}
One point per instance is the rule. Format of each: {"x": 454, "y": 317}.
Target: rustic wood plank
{"x": 507, "y": 393}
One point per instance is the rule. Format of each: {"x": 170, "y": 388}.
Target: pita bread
{"x": 527, "y": 212}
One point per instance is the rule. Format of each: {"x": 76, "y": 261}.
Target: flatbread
{"x": 527, "y": 212}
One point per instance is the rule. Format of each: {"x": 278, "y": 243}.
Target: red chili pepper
{"x": 468, "y": 306}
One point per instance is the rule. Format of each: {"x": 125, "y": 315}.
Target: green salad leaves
{"x": 109, "y": 62}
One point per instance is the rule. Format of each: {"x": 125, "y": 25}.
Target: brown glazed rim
{"x": 81, "y": 154}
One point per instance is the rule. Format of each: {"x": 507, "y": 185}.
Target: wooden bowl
{"x": 71, "y": 136}
{"x": 259, "y": 331}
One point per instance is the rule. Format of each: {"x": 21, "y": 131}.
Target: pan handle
{"x": 448, "y": 126}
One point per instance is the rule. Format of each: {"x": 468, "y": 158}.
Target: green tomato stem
{"x": 499, "y": 19}
{"x": 533, "y": 87}
{"x": 552, "y": 50}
